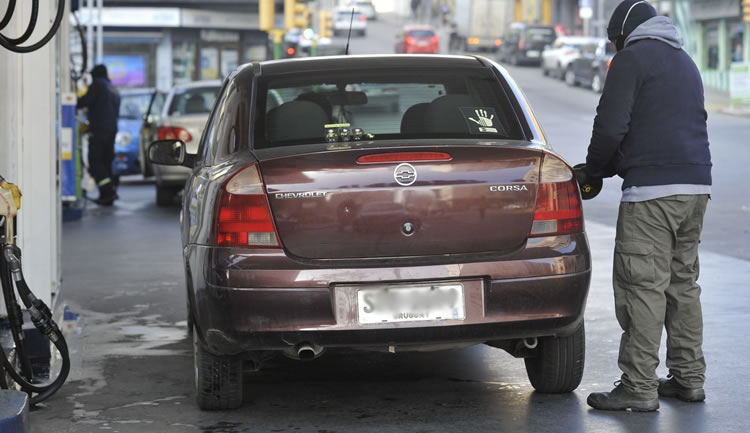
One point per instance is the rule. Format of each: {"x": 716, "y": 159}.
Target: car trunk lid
{"x": 327, "y": 205}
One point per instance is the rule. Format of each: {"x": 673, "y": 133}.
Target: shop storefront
{"x": 160, "y": 47}
{"x": 716, "y": 37}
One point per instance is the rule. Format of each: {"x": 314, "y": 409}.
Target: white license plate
{"x": 532, "y": 53}
{"x": 422, "y": 43}
{"x": 436, "y": 302}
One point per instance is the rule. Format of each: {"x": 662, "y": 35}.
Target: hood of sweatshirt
{"x": 660, "y": 28}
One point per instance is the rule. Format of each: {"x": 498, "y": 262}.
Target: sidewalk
{"x": 718, "y": 101}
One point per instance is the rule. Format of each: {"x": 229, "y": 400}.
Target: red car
{"x": 448, "y": 222}
{"x": 417, "y": 40}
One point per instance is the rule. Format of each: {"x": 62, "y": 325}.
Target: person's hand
{"x": 590, "y": 186}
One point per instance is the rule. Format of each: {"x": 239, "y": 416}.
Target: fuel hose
{"x": 11, "y": 274}
{"x": 13, "y": 44}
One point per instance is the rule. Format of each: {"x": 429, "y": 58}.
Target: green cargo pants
{"x": 655, "y": 273}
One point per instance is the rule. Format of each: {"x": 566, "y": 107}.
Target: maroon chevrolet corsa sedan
{"x": 383, "y": 203}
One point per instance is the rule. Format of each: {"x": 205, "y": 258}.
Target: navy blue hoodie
{"x": 650, "y": 127}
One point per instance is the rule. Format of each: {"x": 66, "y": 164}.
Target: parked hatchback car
{"x": 590, "y": 68}
{"x": 557, "y": 57}
{"x": 447, "y": 223}
{"x": 523, "y": 44}
{"x": 133, "y": 105}
{"x": 183, "y": 115}
{"x": 417, "y": 39}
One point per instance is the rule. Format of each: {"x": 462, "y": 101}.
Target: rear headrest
{"x": 196, "y": 104}
{"x": 413, "y": 119}
{"x": 443, "y": 115}
{"x": 296, "y": 120}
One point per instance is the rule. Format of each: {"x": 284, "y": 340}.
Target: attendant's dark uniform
{"x": 650, "y": 129}
{"x": 103, "y": 103}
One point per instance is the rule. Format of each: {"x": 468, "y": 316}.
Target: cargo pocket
{"x": 634, "y": 263}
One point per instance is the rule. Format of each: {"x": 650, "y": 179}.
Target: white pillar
{"x": 99, "y": 33}
{"x": 89, "y": 32}
{"x": 28, "y": 146}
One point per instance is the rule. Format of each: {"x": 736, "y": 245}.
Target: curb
{"x": 14, "y": 412}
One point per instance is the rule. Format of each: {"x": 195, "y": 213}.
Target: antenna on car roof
{"x": 348, "y": 38}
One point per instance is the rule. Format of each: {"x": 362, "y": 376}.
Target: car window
{"x": 421, "y": 33}
{"x": 225, "y": 135}
{"x": 134, "y": 105}
{"x": 590, "y": 48}
{"x": 156, "y": 107}
{"x": 206, "y": 147}
{"x": 540, "y": 34}
{"x": 194, "y": 100}
{"x": 347, "y": 15}
{"x": 385, "y": 105}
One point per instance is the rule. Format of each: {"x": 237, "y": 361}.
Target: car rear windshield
{"x": 421, "y": 33}
{"x": 133, "y": 106}
{"x": 383, "y": 105}
{"x": 540, "y": 33}
{"x": 194, "y": 100}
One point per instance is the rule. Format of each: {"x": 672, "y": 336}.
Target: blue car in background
{"x": 133, "y": 105}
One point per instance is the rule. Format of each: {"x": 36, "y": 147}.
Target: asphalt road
{"x": 132, "y": 360}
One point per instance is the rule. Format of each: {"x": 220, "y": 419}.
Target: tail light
{"x": 174, "y": 133}
{"x": 362, "y": 18}
{"x": 473, "y": 40}
{"x": 498, "y": 42}
{"x": 521, "y": 44}
{"x": 244, "y": 216}
{"x": 434, "y": 41}
{"x": 558, "y": 203}
{"x": 410, "y": 40}
{"x": 609, "y": 62}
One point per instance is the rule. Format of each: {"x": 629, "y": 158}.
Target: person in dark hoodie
{"x": 650, "y": 129}
{"x": 103, "y": 103}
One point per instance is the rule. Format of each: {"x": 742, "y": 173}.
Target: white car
{"x": 182, "y": 116}
{"x": 366, "y": 8}
{"x": 556, "y": 58}
{"x": 343, "y": 19}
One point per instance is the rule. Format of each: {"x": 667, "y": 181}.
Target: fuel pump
{"x": 12, "y": 281}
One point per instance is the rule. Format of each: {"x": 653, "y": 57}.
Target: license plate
{"x": 422, "y": 43}
{"x": 532, "y": 53}
{"x": 435, "y": 302}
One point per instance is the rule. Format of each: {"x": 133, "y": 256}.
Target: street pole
{"x": 99, "y": 33}
{"x": 90, "y": 32}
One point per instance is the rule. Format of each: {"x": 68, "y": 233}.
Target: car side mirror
{"x": 170, "y": 152}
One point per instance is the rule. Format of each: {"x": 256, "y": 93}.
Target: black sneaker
{"x": 621, "y": 399}
{"x": 669, "y": 387}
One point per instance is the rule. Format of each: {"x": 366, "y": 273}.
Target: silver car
{"x": 182, "y": 116}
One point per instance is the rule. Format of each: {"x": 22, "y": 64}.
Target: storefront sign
{"x": 739, "y": 84}
{"x": 714, "y": 9}
{"x": 126, "y": 70}
{"x": 219, "y": 36}
{"x": 218, "y": 20}
{"x": 133, "y": 17}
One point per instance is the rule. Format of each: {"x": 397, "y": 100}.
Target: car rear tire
{"x": 165, "y": 195}
{"x": 596, "y": 83}
{"x": 218, "y": 379}
{"x": 545, "y": 71}
{"x": 558, "y": 364}
{"x": 570, "y": 77}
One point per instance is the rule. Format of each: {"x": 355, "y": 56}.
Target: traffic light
{"x": 296, "y": 14}
{"x": 326, "y": 24}
{"x": 746, "y": 10}
{"x": 266, "y": 14}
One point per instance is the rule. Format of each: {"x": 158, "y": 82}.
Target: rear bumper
{"x": 171, "y": 174}
{"x": 269, "y": 303}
